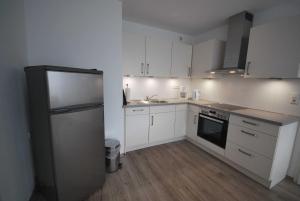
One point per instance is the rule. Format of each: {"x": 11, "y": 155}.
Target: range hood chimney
{"x": 237, "y": 43}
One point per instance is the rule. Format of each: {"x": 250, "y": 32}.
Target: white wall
{"x": 162, "y": 87}
{"x": 85, "y": 34}
{"x": 219, "y": 33}
{"x": 265, "y": 94}
{"x": 16, "y": 176}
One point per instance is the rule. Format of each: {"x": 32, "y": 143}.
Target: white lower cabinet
{"x": 137, "y": 131}
{"x": 250, "y": 160}
{"x": 192, "y": 122}
{"x": 146, "y": 126}
{"x": 180, "y": 120}
{"x": 136, "y": 127}
{"x": 161, "y": 127}
{"x": 162, "y": 119}
{"x": 263, "y": 149}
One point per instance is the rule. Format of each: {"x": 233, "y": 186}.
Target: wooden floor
{"x": 182, "y": 172}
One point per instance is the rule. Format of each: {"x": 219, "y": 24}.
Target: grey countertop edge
{"x": 290, "y": 119}
{"x": 154, "y": 104}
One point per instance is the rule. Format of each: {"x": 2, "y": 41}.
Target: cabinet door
{"x": 161, "y": 126}
{"x": 274, "y": 49}
{"x": 158, "y": 57}
{"x": 207, "y": 56}
{"x": 180, "y": 123}
{"x": 181, "y": 59}
{"x": 192, "y": 125}
{"x": 133, "y": 54}
{"x": 137, "y": 127}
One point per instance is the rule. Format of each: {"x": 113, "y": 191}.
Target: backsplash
{"x": 265, "y": 94}
{"x": 140, "y": 87}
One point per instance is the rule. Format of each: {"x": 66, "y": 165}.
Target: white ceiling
{"x": 190, "y": 16}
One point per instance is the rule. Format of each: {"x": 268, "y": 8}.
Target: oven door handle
{"x": 212, "y": 119}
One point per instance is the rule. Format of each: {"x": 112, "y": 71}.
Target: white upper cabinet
{"x": 274, "y": 49}
{"x": 207, "y": 56}
{"x": 134, "y": 54}
{"x": 181, "y": 59}
{"x": 158, "y": 57}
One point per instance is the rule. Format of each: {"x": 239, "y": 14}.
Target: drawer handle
{"x": 142, "y": 68}
{"x": 250, "y": 123}
{"x": 195, "y": 119}
{"x": 245, "y": 153}
{"x": 247, "y": 133}
{"x": 152, "y": 120}
{"x": 140, "y": 110}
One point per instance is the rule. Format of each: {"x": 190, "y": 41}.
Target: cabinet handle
{"x": 148, "y": 69}
{"x": 195, "y": 119}
{"x": 247, "y": 133}
{"x": 250, "y": 123}
{"x": 142, "y": 68}
{"x": 138, "y": 110}
{"x": 152, "y": 120}
{"x": 247, "y": 67}
{"x": 189, "y": 72}
{"x": 245, "y": 153}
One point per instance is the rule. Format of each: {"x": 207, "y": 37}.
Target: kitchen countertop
{"x": 269, "y": 117}
{"x": 138, "y": 103}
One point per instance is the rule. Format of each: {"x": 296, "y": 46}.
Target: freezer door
{"x": 68, "y": 88}
{"x": 78, "y": 149}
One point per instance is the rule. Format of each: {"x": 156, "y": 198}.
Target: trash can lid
{"x": 112, "y": 143}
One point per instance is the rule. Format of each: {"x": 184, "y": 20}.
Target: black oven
{"x": 212, "y": 126}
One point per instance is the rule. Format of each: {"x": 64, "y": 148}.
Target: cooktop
{"x": 225, "y": 107}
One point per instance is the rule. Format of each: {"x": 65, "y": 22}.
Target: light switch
{"x": 294, "y": 99}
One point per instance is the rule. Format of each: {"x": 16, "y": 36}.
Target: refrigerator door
{"x": 69, "y": 88}
{"x": 79, "y": 153}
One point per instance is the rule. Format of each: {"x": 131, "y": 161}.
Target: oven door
{"x": 213, "y": 130}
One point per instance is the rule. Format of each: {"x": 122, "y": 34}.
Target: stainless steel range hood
{"x": 237, "y": 44}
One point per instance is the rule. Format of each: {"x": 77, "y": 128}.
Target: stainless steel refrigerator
{"x": 67, "y": 131}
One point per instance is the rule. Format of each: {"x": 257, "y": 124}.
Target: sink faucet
{"x": 148, "y": 98}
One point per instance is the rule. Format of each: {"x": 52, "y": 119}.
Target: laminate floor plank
{"x": 181, "y": 171}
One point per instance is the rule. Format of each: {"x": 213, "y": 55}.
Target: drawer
{"x": 162, "y": 108}
{"x": 254, "y": 124}
{"x": 249, "y": 160}
{"x": 261, "y": 143}
{"x": 181, "y": 107}
{"x": 136, "y": 111}
{"x": 194, "y": 108}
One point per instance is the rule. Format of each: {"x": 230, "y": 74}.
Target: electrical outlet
{"x": 294, "y": 99}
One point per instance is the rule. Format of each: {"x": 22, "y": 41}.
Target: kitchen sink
{"x": 150, "y": 101}
{"x": 158, "y": 101}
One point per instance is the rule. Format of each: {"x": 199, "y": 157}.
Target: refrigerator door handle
{"x": 75, "y": 108}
